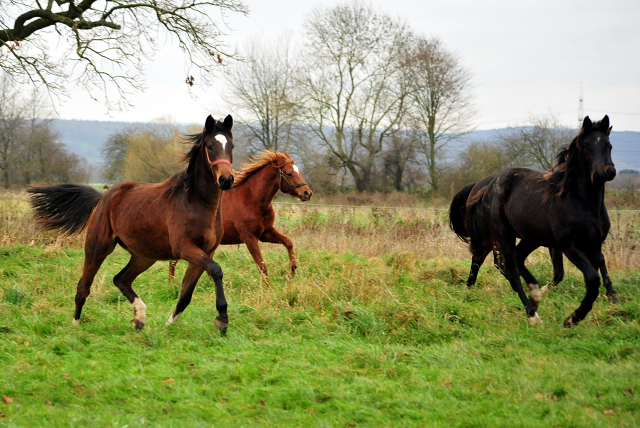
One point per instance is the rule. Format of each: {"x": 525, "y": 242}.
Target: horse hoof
{"x": 569, "y": 321}
{"x": 535, "y": 319}
{"x": 76, "y": 322}
{"x": 544, "y": 289}
{"x": 614, "y": 298}
{"x": 137, "y": 324}
{"x": 222, "y": 326}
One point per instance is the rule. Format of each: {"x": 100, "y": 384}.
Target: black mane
{"x": 182, "y": 181}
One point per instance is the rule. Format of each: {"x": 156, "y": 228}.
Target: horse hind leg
{"x": 96, "y": 250}
{"x": 477, "y": 258}
{"x": 523, "y": 249}
{"x": 124, "y": 279}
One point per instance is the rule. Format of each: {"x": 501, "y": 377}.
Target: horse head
{"x": 218, "y": 146}
{"x": 593, "y": 143}
{"x": 292, "y": 176}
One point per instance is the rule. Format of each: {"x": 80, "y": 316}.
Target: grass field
{"x": 377, "y": 329}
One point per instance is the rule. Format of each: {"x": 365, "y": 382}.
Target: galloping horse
{"x": 562, "y": 209}
{"x": 247, "y": 209}
{"x": 177, "y": 219}
{"x": 457, "y": 223}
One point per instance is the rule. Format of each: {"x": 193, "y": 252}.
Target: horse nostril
{"x": 231, "y": 179}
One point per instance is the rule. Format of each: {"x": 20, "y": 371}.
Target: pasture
{"x": 376, "y": 329}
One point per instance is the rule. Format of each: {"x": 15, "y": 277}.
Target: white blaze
{"x": 222, "y": 140}
{"x": 295, "y": 168}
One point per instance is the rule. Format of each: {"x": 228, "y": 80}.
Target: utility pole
{"x": 580, "y": 108}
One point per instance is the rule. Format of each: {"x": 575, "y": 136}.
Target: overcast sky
{"x": 526, "y": 58}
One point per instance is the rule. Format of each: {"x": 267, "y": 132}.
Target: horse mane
{"x": 182, "y": 181}
{"x": 560, "y": 175}
{"x": 268, "y": 157}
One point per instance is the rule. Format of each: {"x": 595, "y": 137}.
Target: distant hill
{"x": 87, "y": 137}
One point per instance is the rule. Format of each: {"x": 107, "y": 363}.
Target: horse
{"x": 562, "y": 209}
{"x": 457, "y": 223}
{"x": 179, "y": 218}
{"x": 247, "y": 209}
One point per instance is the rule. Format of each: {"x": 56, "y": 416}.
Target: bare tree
{"x": 441, "y": 101}
{"x": 262, "y": 90}
{"x": 353, "y": 89}
{"x": 109, "y": 40}
{"x": 12, "y": 122}
{"x": 535, "y": 143}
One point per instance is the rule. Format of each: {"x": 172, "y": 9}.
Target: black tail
{"x": 66, "y": 207}
{"x": 479, "y": 234}
{"x": 458, "y": 213}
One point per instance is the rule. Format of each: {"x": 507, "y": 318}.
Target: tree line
{"x": 30, "y": 150}
{"x": 366, "y": 103}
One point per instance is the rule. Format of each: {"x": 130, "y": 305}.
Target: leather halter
{"x": 291, "y": 185}
{"x": 216, "y": 162}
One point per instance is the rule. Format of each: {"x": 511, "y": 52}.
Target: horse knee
{"x": 215, "y": 271}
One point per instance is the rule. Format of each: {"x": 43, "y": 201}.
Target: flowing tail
{"x": 66, "y": 207}
{"x": 458, "y": 213}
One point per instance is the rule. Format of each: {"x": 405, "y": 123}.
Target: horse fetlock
{"x": 139, "y": 311}
{"x": 76, "y": 321}
{"x": 535, "y": 319}
{"x": 613, "y": 298}
{"x": 137, "y": 324}
{"x": 172, "y": 318}
{"x": 222, "y": 325}
{"x": 572, "y": 320}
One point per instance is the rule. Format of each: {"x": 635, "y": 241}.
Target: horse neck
{"x": 264, "y": 185}
{"x": 581, "y": 187}
{"x": 203, "y": 185}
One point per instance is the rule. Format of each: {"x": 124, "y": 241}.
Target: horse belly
{"x": 141, "y": 226}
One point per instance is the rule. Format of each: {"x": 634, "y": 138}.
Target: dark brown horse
{"x": 562, "y": 209}
{"x": 247, "y": 209}
{"x": 177, "y": 219}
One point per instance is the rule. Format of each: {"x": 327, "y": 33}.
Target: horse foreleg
{"x": 189, "y": 281}
{"x": 275, "y": 237}
{"x": 589, "y": 269}
{"x": 606, "y": 281}
{"x": 195, "y": 256}
{"x": 254, "y": 249}
{"x": 172, "y": 269}
{"x": 123, "y": 281}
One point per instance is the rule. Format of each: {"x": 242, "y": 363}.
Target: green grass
{"x": 351, "y": 341}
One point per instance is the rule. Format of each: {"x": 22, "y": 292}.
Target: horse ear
{"x": 228, "y": 122}
{"x": 586, "y": 123}
{"x": 209, "y": 124}
{"x": 604, "y": 123}
{"x": 609, "y": 130}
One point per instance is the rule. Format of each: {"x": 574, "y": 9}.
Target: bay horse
{"x": 561, "y": 209}
{"x": 247, "y": 208}
{"x": 179, "y": 218}
{"x": 457, "y": 223}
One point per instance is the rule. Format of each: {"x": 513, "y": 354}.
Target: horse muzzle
{"x": 610, "y": 172}
{"x": 225, "y": 183}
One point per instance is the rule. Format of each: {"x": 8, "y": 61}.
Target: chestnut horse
{"x": 562, "y": 209}
{"x": 247, "y": 209}
{"x": 179, "y": 218}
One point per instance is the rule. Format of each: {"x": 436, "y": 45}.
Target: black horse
{"x": 457, "y": 223}
{"x": 562, "y": 209}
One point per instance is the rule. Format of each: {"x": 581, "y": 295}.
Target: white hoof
{"x": 544, "y": 289}
{"x": 76, "y": 322}
{"x": 535, "y": 319}
{"x": 171, "y": 319}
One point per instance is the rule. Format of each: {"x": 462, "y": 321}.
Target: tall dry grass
{"x": 365, "y": 230}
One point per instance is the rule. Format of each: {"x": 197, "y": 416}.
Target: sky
{"x": 526, "y": 58}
